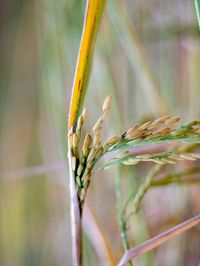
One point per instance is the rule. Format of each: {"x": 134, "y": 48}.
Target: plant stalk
{"x": 76, "y": 217}
{"x": 93, "y": 14}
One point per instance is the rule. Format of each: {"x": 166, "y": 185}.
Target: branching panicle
{"x": 161, "y": 130}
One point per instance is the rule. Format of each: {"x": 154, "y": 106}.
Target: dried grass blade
{"x": 92, "y": 19}
{"x": 158, "y": 240}
{"x": 97, "y": 236}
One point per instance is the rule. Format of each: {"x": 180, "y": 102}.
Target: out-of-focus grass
{"x": 39, "y": 45}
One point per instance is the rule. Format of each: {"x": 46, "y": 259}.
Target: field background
{"x": 148, "y": 58}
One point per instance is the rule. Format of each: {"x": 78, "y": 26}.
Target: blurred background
{"x": 148, "y": 58}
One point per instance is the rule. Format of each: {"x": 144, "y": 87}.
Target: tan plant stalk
{"x": 93, "y": 15}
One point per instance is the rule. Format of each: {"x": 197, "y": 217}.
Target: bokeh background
{"x": 148, "y": 58}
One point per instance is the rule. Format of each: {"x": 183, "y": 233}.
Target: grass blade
{"x": 197, "y": 6}
{"x": 158, "y": 240}
{"x": 93, "y": 15}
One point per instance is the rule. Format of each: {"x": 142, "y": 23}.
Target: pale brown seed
{"x": 71, "y": 141}
{"x": 91, "y": 155}
{"x": 98, "y": 124}
{"x": 112, "y": 141}
{"x": 97, "y": 140}
{"x": 172, "y": 120}
{"x": 106, "y": 104}
{"x": 75, "y": 140}
{"x": 135, "y": 135}
{"x": 90, "y": 164}
{"x": 161, "y": 132}
{"x": 85, "y": 174}
{"x": 158, "y": 121}
{"x": 145, "y": 126}
{"x": 86, "y": 145}
{"x": 162, "y": 119}
{"x": 131, "y": 129}
{"x": 98, "y": 152}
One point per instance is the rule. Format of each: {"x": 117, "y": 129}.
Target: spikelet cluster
{"x": 157, "y": 131}
{"x": 160, "y": 158}
{"x": 83, "y": 158}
